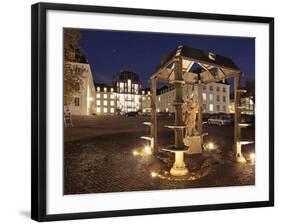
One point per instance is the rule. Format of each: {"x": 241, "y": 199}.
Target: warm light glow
{"x": 91, "y": 98}
{"x": 135, "y": 153}
{"x": 153, "y": 174}
{"x": 252, "y": 157}
{"x": 211, "y": 146}
{"x": 147, "y": 150}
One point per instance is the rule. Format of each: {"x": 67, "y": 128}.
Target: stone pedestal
{"x": 179, "y": 168}
{"x": 194, "y": 143}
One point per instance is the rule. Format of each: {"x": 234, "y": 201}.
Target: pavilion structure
{"x": 176, "y": 69}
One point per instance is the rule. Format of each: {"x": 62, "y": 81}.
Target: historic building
{"x": 124, "y": 96}
{"x": 215, "y": 98}
{"x": 83, "y": 101}
{"x": 105, "y": 100}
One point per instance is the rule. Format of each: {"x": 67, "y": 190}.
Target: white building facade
{"x": 105, "y": 102}
{"x": 215, "y": 98}
{"x": 83, "y": 101}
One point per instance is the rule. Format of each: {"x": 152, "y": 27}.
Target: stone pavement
{"x": 98, "y": 158}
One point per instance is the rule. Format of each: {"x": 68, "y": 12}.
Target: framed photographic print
{"x": 138, "y": 111}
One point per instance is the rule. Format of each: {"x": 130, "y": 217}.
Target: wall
{"x": 15, "y": 119}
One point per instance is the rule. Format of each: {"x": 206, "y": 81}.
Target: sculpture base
{"x": 178, "y": 172}
{"x": 240, "y": 158}
{"x": 194, "y": 143}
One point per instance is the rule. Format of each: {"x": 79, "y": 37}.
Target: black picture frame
{"x": 39, "y": 122}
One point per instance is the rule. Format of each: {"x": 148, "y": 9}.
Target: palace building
{"x": 215, "y": 97}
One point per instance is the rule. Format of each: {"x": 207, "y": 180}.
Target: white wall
{"x": 15, "y": 118}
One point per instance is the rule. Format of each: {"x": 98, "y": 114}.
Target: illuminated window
{"x": 204, "y": 96}
{"x": 98, "y": 95}
{"x": 148, "y": 92}
{"x": 129, "y": 85}
{"x": 105, "y": 89}
{"x": 111, "y": 90}
{"x": 105, "y": 103}
{"x": 111, "y": 96}
{"x": 111, "y": 103}
{"x": 98, "y": 109}
{"x": 211, "y": 107}
{"x": 98, "y": 88}
{"x": 211, "y": 97}
{"x": 111, "y": 110}
{"x": 143, "y": 92}
{"x": 105, "y": 110}
{"x": 121, "y": 87}
{"x": 98, "y": 102}
{"x": 105, "y": 95}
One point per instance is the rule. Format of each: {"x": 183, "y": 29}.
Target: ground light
{"x": 252, "y": 157}
{"x": 211, "y": 146}
{"x": 153, "y": 174}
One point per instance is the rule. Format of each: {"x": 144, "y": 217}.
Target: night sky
{"x": 108, "y": 52}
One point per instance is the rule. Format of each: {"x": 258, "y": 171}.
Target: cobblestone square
{"x": 98, "y": 157}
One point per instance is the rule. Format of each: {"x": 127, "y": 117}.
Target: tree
{"x": 73, "y": 73}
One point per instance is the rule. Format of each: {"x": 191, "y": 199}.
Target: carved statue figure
{"x": 189, "y": 111}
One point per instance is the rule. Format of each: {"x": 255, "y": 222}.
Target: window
{"x": 129, "y": 85}
{"x": 218, "y": 98}
{"x": 105, "y": 89}
{"x": 105, "y": 95}
{"x": 111, "y": 96}
{"x": 223, "y": 98}
{"x": 204, "y": 87}
{"x": 218, "y": 108}
{"x": 98, "y": 95}
{"x": 105, "y": 110}
{"x": 76, "y": 101}
{"x": 224, "y": 108}
{"x": 111, "y": 103}
{"x": 204, "y": 107}
{"x": 204, "y": 96}
{"x": 98, "y": 102}
{"x": 98, "y": 109}
{"x": 98, "y": 88}
{"x": 111, "y": 110}
{"x": 111, "y": 90}
{"x": 105, "y": 102}
{"x": 211, "y": 88}
{"x": 218, "y": 88}
{"x": 211, "y": 107}
{"x": 223, "y": 89}
{"x": 211, "y": 97}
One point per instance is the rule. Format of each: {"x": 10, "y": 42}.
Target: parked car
{"x": 131, "y": 114}
{"x": 220, "y": 120}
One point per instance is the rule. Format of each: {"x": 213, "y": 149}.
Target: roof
{"x": 209, "y": 61}
{"x": 125, "y": 75}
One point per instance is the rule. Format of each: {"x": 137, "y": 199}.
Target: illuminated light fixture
{"x": 211, "y": 146}
{"x": 135, "y": 153}
{"x": 153, "y": 174}
{"x": 147, "y": 150}
{"x": 91, "y": 98}
{"x": 252, "y": 157}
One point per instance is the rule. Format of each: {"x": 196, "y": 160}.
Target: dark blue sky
{"x": 108, "y": 52}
